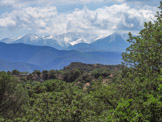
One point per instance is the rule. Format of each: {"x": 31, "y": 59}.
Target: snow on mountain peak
{"x": 18, "y": 37}
{"x": 30, "y": 37}
{"x": 48, "y": 37}
{"x": 62, "y": 41}
{"x": 78, "y": 41}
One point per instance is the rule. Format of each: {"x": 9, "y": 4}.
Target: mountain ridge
{"x": 48, "y": 58}
{"x": 73, "y": 41}
{"x": 114, "y": 42}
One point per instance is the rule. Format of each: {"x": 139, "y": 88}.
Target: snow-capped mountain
{"x": 113, "y": 42}
{"x": 7, "y": 40}
{"x": 74, "y": 41}
{"x": 57, "y": 41}
{"x": 75, "y": 38}
{"x": 34, "y": 39}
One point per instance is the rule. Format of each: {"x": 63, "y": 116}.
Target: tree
{"x": 45, "y": 74}
{"x": 52, "y": 74}
{"x": 144, "y": 53}
{"x": 37, "y": 72}
{"x": 140, "y": 97}
{"x": 71, "y": 75}
{"x": 12, "y": 95}
{"x": 15, "y": 72}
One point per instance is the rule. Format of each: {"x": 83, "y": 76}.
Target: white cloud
{"x": 13, "y": 3}
{"x": 46, "y": 20}
{"x": 7, "y": 22}
{"x": 21, "y": 3}
{"x": 7, "y": 2}
{"x": 29, "y": 3}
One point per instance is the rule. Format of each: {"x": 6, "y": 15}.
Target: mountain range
{"x": 58, "y": 41}
{"x": 114, "y": 42}
{"x": 75, "y": 41}
{"x": 32, "y": 52}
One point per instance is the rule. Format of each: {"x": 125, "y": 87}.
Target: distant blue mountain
{"x": 9, "y": 66}
{"x": 114, "y": 42}
{"x": 43, "y": 57}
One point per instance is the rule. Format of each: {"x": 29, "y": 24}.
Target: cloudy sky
{"x": 52, "y": 17}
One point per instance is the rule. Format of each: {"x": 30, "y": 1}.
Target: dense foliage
{"x": 95, "y": 93}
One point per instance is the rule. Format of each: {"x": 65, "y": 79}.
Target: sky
{"x": 55, "y": 17}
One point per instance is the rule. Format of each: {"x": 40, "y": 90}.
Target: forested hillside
{"x": 79, "y": 73}
{"x": 80, "y": 93}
